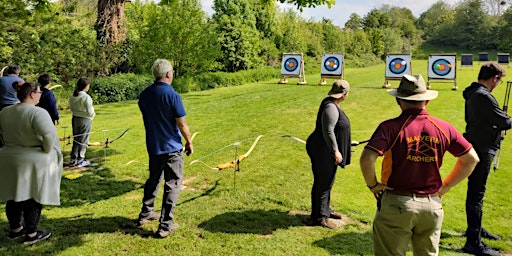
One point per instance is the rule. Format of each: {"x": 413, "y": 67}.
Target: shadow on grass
{"x": 68, "y": 232}
{"x": 351, "y": 243}
{"x": 91, "y": 188}
{"x": 252, "y": 222}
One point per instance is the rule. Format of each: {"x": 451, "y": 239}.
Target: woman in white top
{"x": 31, "y": 163}
{"x": 83, "y": 113}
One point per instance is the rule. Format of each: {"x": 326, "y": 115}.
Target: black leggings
{"x": 29, "y": 210}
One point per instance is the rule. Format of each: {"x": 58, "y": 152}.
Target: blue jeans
{"x": 170, "y": 167}
{"x": 475, "y": 197}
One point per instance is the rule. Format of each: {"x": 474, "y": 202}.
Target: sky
{"x": 340, "y": 12}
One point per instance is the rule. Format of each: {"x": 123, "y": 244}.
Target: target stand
{"x": 466, "y": 60}
{"x": 504, "y": 59}
{"x": 442, "y": 68}
{"x": 332, "y": 67}
{"x": 397, "y": 65}
{"x": 292, "y": 66}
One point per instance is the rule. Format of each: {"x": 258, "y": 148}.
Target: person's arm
{"x": 89, "y": 107}
{"x": 183, "y": 126}
{"x": 462, "y": 169}
{"x": 367, "y": 163}
{"x": 329, "y": 119}
{"x": 55, "y": 111}
{"x": 43, "y": 126}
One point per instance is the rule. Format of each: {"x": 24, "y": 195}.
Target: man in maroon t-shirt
{"x": 410, "y": 190}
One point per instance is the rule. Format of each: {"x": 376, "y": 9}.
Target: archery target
{"x": 398, "y": 65}
{"x": 441, "y": 67}
{"x": 291, "y": 64}
{"x": 332, "y": 65}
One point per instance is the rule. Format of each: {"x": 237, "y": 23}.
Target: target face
{"x": 291, "y": 64}
{"x": 441, "y": 66}
{"x": 398, "y": 65}
{"x": 332, "y": 65}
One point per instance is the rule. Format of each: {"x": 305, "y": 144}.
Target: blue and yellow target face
{"x": 441, "y": 66}
{"x": 291, "y": 64}
{"x": 397, "y": 65}
{"x": 332, "y": 65}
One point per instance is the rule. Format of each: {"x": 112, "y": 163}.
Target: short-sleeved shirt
{"x": 7, "y": 92}
{"x": 413, "y": 145}
{"x": 160, "y": 105}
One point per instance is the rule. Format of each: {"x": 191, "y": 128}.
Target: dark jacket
{"x": 484, "y": 119}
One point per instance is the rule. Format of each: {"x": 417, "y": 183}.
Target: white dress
{"x": 31, "y": 159}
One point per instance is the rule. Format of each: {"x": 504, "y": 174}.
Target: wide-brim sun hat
{"x": 339, "y": 88}
{"x": 413, "y": 87}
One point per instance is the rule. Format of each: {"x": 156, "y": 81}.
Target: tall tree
{"x": 354, "y": 22}
{"x": 438, "y": 15}
{"x": 239, "y": 38}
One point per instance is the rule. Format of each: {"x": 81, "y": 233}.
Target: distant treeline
{"x": 59, "y": 38}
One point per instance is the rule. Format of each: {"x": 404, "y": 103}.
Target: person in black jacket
{"x": 485, "y": 123}
{"x": 328, "y": 147}
{"x": 48, "y": 100}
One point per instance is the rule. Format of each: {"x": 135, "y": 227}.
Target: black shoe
{"x": 16, "y": 235}
{"x": 145, "y": 220}
{"x": 480, "y": 250}
{"x": 486, "y": 234}
{"x": 40, "y": 236}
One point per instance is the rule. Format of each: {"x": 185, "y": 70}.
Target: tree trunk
{"x": 109, "y": 27}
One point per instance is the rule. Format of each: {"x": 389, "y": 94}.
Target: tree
{"x": 239, "y": 39}
{"x": 438, "y": 15}
{"x": 305, "y": 3}
{"x": 176, "y": 31}
{"x": 354, "y": 22}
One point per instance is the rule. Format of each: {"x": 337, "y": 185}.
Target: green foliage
{"x": 223, "y": 79}
{"x": 436, "y": 16}
{"x": 354, "y": 22}
{"x": 118, "y": 87}
{"x": 177, "y": 31}
{"x": 237, "y": 34}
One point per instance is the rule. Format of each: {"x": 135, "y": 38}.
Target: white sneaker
{"x": 72, "y": 163}
{"x": 83, "y": 163}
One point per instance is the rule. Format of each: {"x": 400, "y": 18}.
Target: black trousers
{"x": 170, "y": 167}
{"x": 324, "y": 172}
{"x": 29, "y": 211}
{"x": 475, "y": 197}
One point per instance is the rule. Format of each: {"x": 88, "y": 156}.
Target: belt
{"x": 410, "y": 194}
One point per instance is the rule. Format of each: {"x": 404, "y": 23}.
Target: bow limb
{"x": 118, "y": 137}
{"x": 240, "y": 158}
{"x": 193, "y": 136}
{"x": 295, "y": 139}
{"x": 2, "y": 71}
{"x": 199, "y": 161}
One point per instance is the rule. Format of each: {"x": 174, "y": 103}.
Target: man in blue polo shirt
{"x": 164, "y": 120}
{"x": 411, "y": 186}
{"x": 7, "y": 92}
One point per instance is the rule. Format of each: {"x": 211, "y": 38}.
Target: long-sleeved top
{"x": 484, "y": 119}
{"x": 49, "y": 102}
{"x": 81, "y": 105}
{"x": 31, "y": 157}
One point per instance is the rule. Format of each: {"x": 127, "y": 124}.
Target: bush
{"x": 118, "y": 87}
{"x": 223, "y": 79}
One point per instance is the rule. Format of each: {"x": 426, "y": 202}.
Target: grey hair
{"x": 160, "y": 68}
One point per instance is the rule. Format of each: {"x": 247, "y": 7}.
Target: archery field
{"x": 255, "y": 206}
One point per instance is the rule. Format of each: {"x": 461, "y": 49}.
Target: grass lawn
{"x": 256, "y": 211}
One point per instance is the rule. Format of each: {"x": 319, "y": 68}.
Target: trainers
{"x": 83, "y": 163}
{"x": 145, "y": 220}
{"x": 335, "y": 215}
{"x": 72, "y": 163}
{"x": 40, "y": 236}
{"x": 16, "y": 235}
{"x": 161, "y": 233}
{"x": 481, "y": 250}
